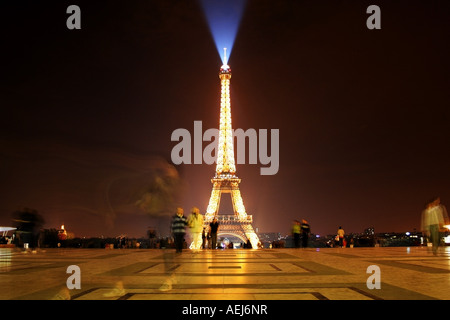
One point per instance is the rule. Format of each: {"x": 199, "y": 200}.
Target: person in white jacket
{"x": 195, "y": 224}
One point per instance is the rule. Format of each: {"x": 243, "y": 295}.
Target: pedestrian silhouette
{"x": 28, "y": 223}
{"x": 178, "y": 227}
{"x": 296, "y": 233}
{"x": 305, "y": 231}
{"x": 213, "y": 228}
{"x": 341, "y": 234}
{"x": 204, "y": 237}
{"x": 434, "y": 220}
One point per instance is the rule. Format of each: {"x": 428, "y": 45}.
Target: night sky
{"x": 87, "y": 115}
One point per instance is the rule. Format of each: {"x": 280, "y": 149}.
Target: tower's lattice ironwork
{"x": 225, "y": 180}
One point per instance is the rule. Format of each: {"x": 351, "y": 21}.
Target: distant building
{"x": 62, "y": 234}
{"x": 268, "y": 238}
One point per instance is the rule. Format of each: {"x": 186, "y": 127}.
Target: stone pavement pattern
{"x": 407, "y": 273}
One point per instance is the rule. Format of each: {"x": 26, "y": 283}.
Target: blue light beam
{"x": 224, "y": 17}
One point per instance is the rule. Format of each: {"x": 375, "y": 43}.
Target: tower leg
{"x": 251, "y": 235}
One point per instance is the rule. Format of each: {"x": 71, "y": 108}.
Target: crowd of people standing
{"x": 203, "y": 237}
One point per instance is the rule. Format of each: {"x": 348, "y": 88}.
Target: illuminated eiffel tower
{"x": 225, "y": 180}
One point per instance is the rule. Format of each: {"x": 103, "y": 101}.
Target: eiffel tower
{"x": 225, "y": 180}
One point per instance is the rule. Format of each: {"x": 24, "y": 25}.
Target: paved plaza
{"x": 406, "y": 273}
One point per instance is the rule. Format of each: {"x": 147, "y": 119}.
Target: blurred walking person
{"x": 178, "y": 227}
{"x": 195, "y": 224}
{"x": 305, "y": 231}
{"x": 434, "y": 219}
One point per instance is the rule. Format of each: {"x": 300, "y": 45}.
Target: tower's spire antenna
{"x": 225, "y": 56}
{"x": 225, "y": 59}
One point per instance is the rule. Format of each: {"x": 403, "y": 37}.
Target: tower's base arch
{"x": 230, "y": 234}
{"x": 234, "y": 226}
